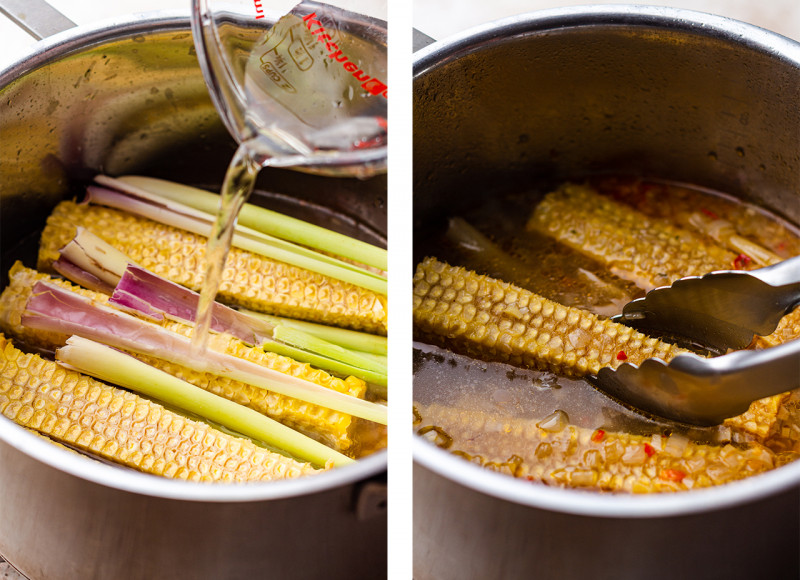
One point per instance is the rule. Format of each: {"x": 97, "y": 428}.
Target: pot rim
{"x": 80, "y": 37}
{"x": 57, "y": 47}
{"x": 612, "y": 15}
{"x": 591, "y": 503}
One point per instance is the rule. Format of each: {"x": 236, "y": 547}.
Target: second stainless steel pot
{"x": 532, "y": 101}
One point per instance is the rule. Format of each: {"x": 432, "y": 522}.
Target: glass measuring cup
{"x": 305, "y": 89}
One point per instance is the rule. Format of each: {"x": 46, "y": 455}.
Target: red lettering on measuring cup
{"x": 259, "y": 9}
{"x": 310, "y": 19}
{"x": 338, "y": 56}
{"x": 372, "y": 85}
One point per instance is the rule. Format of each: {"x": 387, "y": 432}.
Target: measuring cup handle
{"x": 36, "y": 17}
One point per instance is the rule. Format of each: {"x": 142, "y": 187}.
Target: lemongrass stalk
{"x": 55, "y": 309}
{"x": 310, "y": 342}
{"x": 381, "y": 359}
{"x": 148, "y": 294}
{"x": 725, "y": 233}
{"x": 100, "y": 259}
{"x": 350, "y": 339}
{"x": 258, "y": 218}
{"x": 758, "y": 253}
{"x": 110, "y": 365}
{"x": 142, "y": 291}
{"x": 462, "y": 233}
{"x": 81, "y": 277}
{"x": 186, "y": 218}
{"x": 96, "y": 256}
{"x": 376, "y": 382}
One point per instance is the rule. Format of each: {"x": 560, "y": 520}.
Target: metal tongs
{"x": 721, "y": 310}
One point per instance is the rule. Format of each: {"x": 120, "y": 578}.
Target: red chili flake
{"x": 709, "y": 213}
{"x": 781, "y": 246}
{"x": 598, "y": 435}
{"x": 672, "y": 475}
{"x": 741, "y": 261}
{"x": 621, "y": 355}
{"x": 649, "y": 450}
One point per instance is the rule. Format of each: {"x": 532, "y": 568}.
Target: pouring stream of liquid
{"x": 239, "y": 181}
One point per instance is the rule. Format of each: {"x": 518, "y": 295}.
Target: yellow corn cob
{"x": 788, "y": 329}
{"x": 14, "y": 298}
{"x": 651, "y": 252}
{"x": 125, "y": 428}
{"x": 55, "y": 443}
{"x": 680, "y": 204}
{"x": 761, "y": 418}
{"x": 330, "y": 427}
{"x": 785, "y": 434}
{"x": 491, "y": 319}
{"x": 585, "y": 458}
{"x": 249, "y": 280}
{"x": 647, "y": 251}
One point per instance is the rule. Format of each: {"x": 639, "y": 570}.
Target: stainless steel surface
{"x": 532, "y": 101}
{"x": 537, "y": 100}
{"x": 129, "y": 97}
{"x": 444, "y": 18}
{"x": 36, "y": 17}
{"x": 721, "y": 309}
{"x": 704, "y": 391}
{"x": 467, "y": 533}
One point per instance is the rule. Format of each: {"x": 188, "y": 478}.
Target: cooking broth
{"x": 492, "y": 239}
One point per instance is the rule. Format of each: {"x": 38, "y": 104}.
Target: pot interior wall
{"x": 539, "y": 104}
{"x": 136, "y": 102}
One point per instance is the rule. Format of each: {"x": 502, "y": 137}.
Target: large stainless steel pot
{"x": 129, "y": 97}
{"x": 555, "y": 95}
